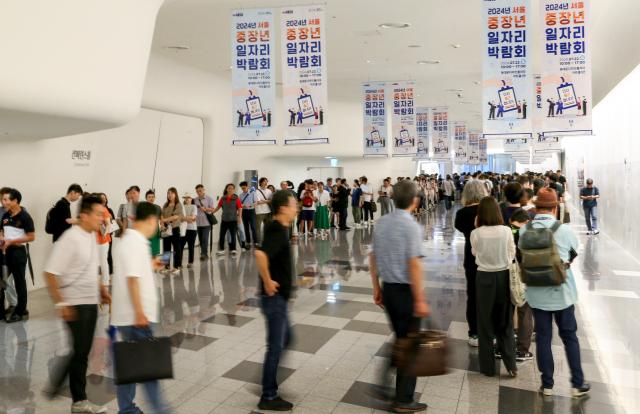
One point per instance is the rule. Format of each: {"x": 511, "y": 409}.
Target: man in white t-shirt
{"x": 367, "y": 200}
{"x": 263, "y": 206}
{"x": 72, "y": 276}
{"x": 135, "y": 298}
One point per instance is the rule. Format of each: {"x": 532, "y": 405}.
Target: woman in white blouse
{"x": 493, "y": 247}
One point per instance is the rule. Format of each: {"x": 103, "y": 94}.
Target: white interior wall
{"x": 612, "y": 159}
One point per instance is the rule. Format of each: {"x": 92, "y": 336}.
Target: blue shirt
{"x": 355, "y": 197}
{"x": 553, "y": 298}
{"x": 396, "y": 239}
{"x": 586, "y": 191}
{"x": 248, "y": 200}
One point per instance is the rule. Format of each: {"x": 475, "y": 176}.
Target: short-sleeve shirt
{"x": 586, "y": 191}
{"x": 355, "y": 197}
{"x": 276, "y": 246}
{"x": 310, "y": 193}
{"x": 366, "y": 188}
{"x": 74, "y": 260}
{"x": 263, "y": 194}
{"x": 206, "y": 202}
{"x": 324, "y": 198}
{"x": 396, "y": 239}
{"x": 191, "y": 210}
{"x": 132, "y": 258}
{"x": 16, "y": 227}
{"x": 248, "y": 200}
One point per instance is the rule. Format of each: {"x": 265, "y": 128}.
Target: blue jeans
{"x": 275, "y": 312}
{"x": 127, "y": 393}
{"x": 591, "y": 217}
{"x": 567, "y": 327}
{"x": 203, "y": 237}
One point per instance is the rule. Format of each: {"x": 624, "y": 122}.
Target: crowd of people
{"x": 85, "y": 269}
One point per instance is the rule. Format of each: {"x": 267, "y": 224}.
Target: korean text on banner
{"x": 304, "y": 74}
{"x": 460, "y": 142}
{"x": 507, "y": 68}
{"x": 253, "y": 75}
{"x": 473, "y": 148}
{"x": 484, "y": 158}
{"x": 440, "y": 133}
{"x": 403, "y": 119}
{"x": 422, "y": 131}
{"x": 547, "y": 144}
{"x": 566, "y": 67}
{"x": 375, "y": 119}
{"x": 516, "y": 146}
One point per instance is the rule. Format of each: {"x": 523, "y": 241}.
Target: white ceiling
{"x": 355, "y": 38}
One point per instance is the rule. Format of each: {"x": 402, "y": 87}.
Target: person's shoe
{"x": 203, "y": 258}
{"x": 10, "y": 310}
{"x": 234, "y": 253}
{"x": 547, "y": 392}
{"x": 523, "y": 356}
{"x": 87, "y": 407}
{"x": 580, "y": 391}
{"x": 412, "y": 407}
{"x": 512, "y": 374}
{"x": 473, "y": 341}
{"x": 497, "y": 354}
{"x": 174, "y": 271}
{"x": 247, "y": 246}
{"x": 190, "y": 265}
{"x": 596, "y": 232}
{"x": 14, "y": 318}
{"x": 220, "y": 253}
{"x": 277, "y": 404}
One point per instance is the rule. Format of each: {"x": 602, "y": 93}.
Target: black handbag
{"x": 142, "y": 361}
{"x": 422, "y": 353}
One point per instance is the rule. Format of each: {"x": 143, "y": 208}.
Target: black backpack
{"x": 541, "y": 263}
{"x": 48, "y": 225}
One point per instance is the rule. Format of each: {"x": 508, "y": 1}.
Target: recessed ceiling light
{"x": 453, "y": 90}
{"x": 456, "y": 46}
{"x": 466, "y": 103}
{"x": 415, "y": 46}
{"x": 394, "y": 25}
{"x": 428, "y": 62}
{"x": 178, "y": 48}
{"x": 329, "y": 158}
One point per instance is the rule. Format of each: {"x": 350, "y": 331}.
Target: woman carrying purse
{"x": 172, "y": 215}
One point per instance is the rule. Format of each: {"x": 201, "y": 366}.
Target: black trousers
{"x": 203, "y": 236}
{"x": 15, "y": 259}
{"x": 173, "y": 242}
{"x": 190, "y": 240}
{"x": 232, "y": 227}
{"x": 495, "y": 318}
{"x": 472, "y": 311}
{"x": 367, "y": 211}
{"x": 82, "y": 331}
{"x": 249, "y": 223}
{"x": 398, "y": 303}
{"x": 342, "y": 212}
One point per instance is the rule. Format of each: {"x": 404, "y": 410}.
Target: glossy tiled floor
{"x": 341, "y": 338}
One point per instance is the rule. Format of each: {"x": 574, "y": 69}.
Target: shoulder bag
{"x": 142, "y": 361}
{"x": 422, "y": 353}
{"x": 210, "y": 217}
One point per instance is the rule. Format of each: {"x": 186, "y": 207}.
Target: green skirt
{"x": 155, "y": 244}
{"x": 322, "y": 217}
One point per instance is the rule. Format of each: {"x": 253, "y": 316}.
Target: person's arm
{"x": 238, "y": 209}
{"x": 474, "y": 241}
{"x": 377, "y": 291}
{"x": 262, "y": 262}
{"x": 215, "y": 210}
{"x": 596, "y": 194}
{"x": 66, "y": 312}
{"x": 134, "y": 293}
{"x": 420, "y": 306}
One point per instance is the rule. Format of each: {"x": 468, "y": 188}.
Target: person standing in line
{"x": 493, "y": 247}
{"x": 465, "y": 222}
{"x": 356, "y": 211}
{"x": 6, "y": 281}
{"x": 135, "y": 299}
{"x": 231, "y": 213}
{"x": 190, "y": 217}
{"x": 385, "y": 194}
{"x": 449, "y": 189}
{"x": 150, "y": 197}
{"x": 263, "y": 209}
{"x": 309, "y": 197}
{"x": 121, "y": 217}
{"x": 59, "y": 218}
{"x": 248, "y": 200}
{"x": 205, "y": 206}
{"x": 16, "y": 230}
{"x": 273, "y": 261}
{"x": 343, "y": 204}
{"x": 367, "y": 200}
{"x": 589, "y": 196}
{"x": 172, "y": 216}
{"x": 556, "y": 302}
{"x": 134, "y": 199}
{"x": 396, "y": 258}
{"x": 322, "y": 211}
{"x": 71, "y": 274}
{"x": 103, "y": 238}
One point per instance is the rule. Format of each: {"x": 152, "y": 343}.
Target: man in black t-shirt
{"x": 273, "y": 260}
{"x": 60, "y": 219}
{"x": 589, "y": 196}
{"x": 16, "y": 230}
{"x": 342, "y": 203}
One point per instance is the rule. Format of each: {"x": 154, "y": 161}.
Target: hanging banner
{"x": 473, "y": 148}
{"x": 403, "y": 119}
{"x": 566, "y": 67}
{"x": 440, "y": 133}
{"x": 422, "y": 131}
{"x": 304, "y": 75}
{"x": 460, "y": 142}
{"x": 375, "y": 119}
{"x": 507, "y": 68}
{"x": 252, "y": 76}
{"x": 538, "y": 110}
{"x": 484, "y": 158}
{"x": 516, "y": 146}
{"x": 547, "y": 144}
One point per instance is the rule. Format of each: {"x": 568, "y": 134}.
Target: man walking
{"x": 589, "y": 196}
{"x": 396, "y": 259}
{"x": 556, "y": 302}
{"x": 59, "y": 217}
{"x": 74, "y": 284}
{"x": 205, "y": 206}
{"x": 273, "y": 260}
{"x": 135, "y": 299}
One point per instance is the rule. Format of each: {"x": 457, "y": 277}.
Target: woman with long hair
{"x": 231, "y": 213}
{"x": 492, "y": 245}
{"x": 172, "y": 215}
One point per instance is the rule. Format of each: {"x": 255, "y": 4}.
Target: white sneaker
{"x": 87, "y": 407}
{"x": 234, "y": 253}
{"x": 220, "y": 253}
{"x": 596, "y": 232}
{"x": 547, "y": 392}
{"x": 473, "y": 341}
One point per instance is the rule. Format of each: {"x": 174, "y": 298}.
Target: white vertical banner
{"x": 547, "y": 144}
{"x": 304, "y": 74}
{"x": 440, "y": 138}
{"x": 253, "y": 76}
{"x": 566, "y": 67}
{"x": 538, "y": 110}
{"x": 483, "y": 157}
{"x": 460, "y": 142}
{"x": 375, "y": 119}
{"x": 403, "y": 119}
{"x": 422, "y": 131}
{"x": 506, "y": 74}
{"x": 473, "y": 148}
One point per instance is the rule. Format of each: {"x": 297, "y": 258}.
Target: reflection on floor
{"x": 341, "y": 338}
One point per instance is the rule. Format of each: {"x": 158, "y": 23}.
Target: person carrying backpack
{"x": 547, "y": 249}
{"x": 59, "y": 217}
